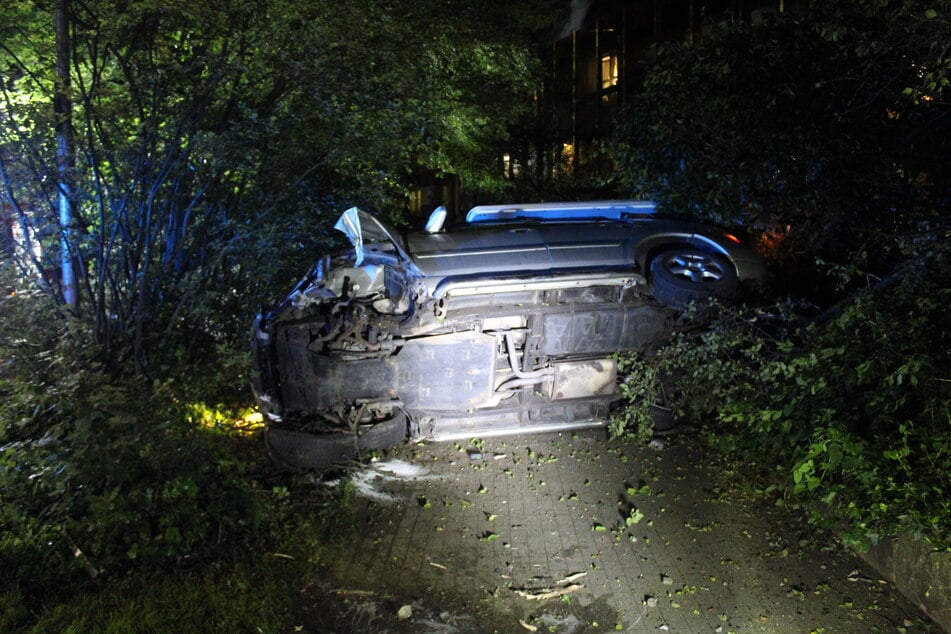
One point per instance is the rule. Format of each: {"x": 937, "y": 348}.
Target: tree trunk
{"x": 63, "y": 111}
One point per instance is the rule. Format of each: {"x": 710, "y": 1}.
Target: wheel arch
{"x": 650, "y": 248}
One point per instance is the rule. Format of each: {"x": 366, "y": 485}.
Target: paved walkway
{"x": 572, "y": 533}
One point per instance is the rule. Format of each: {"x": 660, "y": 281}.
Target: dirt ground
{"x": 571, "y": 533}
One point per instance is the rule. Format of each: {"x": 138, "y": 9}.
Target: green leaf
{"x": 635, "y": 517}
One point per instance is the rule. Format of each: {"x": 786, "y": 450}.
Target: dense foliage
{"x": 852, "y": 405}
{"x": 212, "y": 142}
{"x": 208, "y": 146}
{"x": 830, "y": 129}
{"x": 828, "y": 132}
{"x": 117, "y": 469}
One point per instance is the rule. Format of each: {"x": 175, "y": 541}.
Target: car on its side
{"x": 508, "y": 323}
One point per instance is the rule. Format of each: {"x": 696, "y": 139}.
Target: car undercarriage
{"x": 485, "y": 335}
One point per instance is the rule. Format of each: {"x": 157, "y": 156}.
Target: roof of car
{"x": 586, "y": 210}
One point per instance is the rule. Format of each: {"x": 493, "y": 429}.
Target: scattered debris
{"x": 618, "y": 515}
{"x": 564, "y": 587}
{"x": 570, "y": 578}
{"x": 354, "y": 593}
{"x": 635, "y": 517}
{"x": 548, "y": 593}
{"x": 856, "y": 575}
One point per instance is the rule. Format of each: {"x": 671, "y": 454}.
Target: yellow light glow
{"x": 243, "y": 421}
{"x": 609, "y": 71}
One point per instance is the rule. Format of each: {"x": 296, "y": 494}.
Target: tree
{"x": 830, "y": 128}
{"x": 212, "y": 142}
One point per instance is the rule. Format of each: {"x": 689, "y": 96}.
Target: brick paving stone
{"x": 668, "y": 540}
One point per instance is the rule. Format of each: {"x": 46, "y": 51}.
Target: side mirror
{"x": 436, "y": 220}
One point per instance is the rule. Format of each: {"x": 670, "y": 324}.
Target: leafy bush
{"x": 833, "y": 152}
{"x": 636, "y": 419}
{"x": 853, "y": 405}
{"x": 100, "y": 471}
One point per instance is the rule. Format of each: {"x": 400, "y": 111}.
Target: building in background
{"x": 595, "y": 63}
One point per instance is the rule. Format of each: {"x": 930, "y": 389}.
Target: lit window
{"x": 609, "y": 71}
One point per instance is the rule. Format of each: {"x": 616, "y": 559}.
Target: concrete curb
{"x": 920, "y": 573}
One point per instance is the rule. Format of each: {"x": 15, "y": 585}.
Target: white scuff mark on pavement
{"x": 400, "y": 469}
{"x": 364, "y": 483}
{"x": 367, "y": 481}
{"x": 568, "y": 624}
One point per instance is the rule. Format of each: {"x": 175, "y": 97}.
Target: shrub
{"x": 102, "y": 471}
{"x": 852, "y": 405}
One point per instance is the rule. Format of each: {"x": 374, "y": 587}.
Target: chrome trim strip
{"x": 463, "y": 288}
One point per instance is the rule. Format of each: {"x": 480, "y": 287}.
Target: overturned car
{"x": 506, "y": 324}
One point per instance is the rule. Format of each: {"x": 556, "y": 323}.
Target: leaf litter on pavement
{"x": 692, "y": 561}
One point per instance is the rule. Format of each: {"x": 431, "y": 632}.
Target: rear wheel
{"x": 303, "y": 450}
{"x": 680, "y": 276}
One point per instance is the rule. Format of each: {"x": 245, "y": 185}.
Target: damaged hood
{"x": 362, "y": 228}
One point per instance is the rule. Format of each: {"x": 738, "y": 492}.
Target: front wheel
{"x": 304, "y": 450}
{"x": 680, "y": 276}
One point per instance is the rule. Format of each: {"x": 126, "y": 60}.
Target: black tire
{"x": 302, "y": 450}
{"x": 680, "y": 276}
